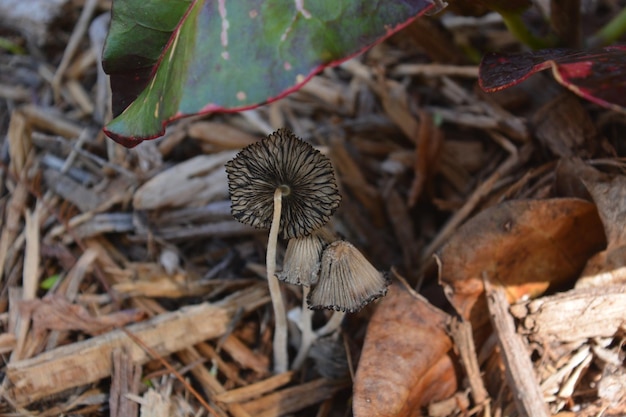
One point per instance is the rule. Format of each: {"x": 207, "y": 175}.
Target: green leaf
{"x": 49, "y": 282}
{"x": 140, "y": 30}
{"x": 231, "y": 56}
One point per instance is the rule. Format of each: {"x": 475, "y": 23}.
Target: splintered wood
{"x": 574, "y": 315}
{"x": 83, "y": 362}
{"x": 518, "y": 367}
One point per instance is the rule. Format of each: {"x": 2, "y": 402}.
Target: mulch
{"x": 125, "y": 282}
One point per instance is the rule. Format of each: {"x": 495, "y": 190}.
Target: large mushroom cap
{"x": 347, "y": 280}
{"x": 282, "y": 160}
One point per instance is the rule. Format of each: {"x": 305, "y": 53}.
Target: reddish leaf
{"x": 405, "y": 363}
{"x": 598, "y": 75}
{"x": 523, "y": 245}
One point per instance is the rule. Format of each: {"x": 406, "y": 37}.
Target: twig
{"x": 435, "y": 70}
{"x": 72, "y": 45}
{"x": 460, "y": 216}
{"x": 170, "y": 368}
{"x": 461, "y": 333}
{"x": 90, "y": 360}
{"x": 565, "y": 20}
{"x": 518, "y": 367}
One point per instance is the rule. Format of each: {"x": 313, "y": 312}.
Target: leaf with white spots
{"x": 174, "y": 58}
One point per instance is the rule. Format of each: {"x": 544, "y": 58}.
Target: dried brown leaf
{"x": 523, "y": 245}
{"x": 564, "y": 126}
{"x": 404, "y": 364}
{"x": 607, "y": 267}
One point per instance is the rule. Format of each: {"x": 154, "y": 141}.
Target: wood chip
{"x": 518, "y": 368}
{"x": 191, "y": 183}
{"x": 255, "y": 390}
{"x": 293, "y": 399}
{"x": 84, "y": 362}
{"x": 577, "y": 314}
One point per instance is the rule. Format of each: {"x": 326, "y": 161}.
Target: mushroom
{"x": 285, "y": 166}
{"x": 347, "y": 280}
{"x": 284, "y": 184}
{"x": 302, "y": 261}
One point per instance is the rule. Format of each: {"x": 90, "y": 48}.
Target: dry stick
{"x": 436, "y": 70}
{"x": 565, "y": 20}
{"x": 280, "y": 316}
{"x": 461, "y": 333}
{"x": 518, "y": 367}
{"x": 460, "y": 216}
{"x": 29, "y": 280}
{"x": 170, "y": 368}
{"x": 79, "y": 31}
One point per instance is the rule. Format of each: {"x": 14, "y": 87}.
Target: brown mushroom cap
{"x": 282, "y": 160}
{"x": 347, "y": 280}
{"x": 302, "y": 260}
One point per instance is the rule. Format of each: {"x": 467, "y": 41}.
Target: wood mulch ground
{"x": 127, "y": 286}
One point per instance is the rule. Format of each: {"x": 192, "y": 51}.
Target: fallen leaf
{"x": 608, "y": 266}
{"x": 568, "y": 178}
{"x": 404, "y": 364}
{"x": 597, "y": 75}
{"x": 565, "y": 127}
{"x": 525, "y": 246}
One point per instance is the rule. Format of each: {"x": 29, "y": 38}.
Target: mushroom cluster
{"x": 342, "y": 279}
{"x": 340, "y": 276}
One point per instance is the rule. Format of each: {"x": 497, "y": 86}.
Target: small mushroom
{"x": 282, "y": 161}
{"x": 347, "y": 280}
{"x": 302, "y": 260}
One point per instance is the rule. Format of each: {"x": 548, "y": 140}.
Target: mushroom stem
{"x": 280, "y": 316}
{"x": 305, "y": 324}
{"x": 332, "y": 324}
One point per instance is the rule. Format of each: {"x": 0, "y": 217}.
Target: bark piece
{"x": 518, "y": 367}
{"x": 292, "y": 399}
{"x": 125, "y": 379}
{"x": 88, "y": 361}
{"x": 192, "y": 183}
{"x": 574, "y": 315}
